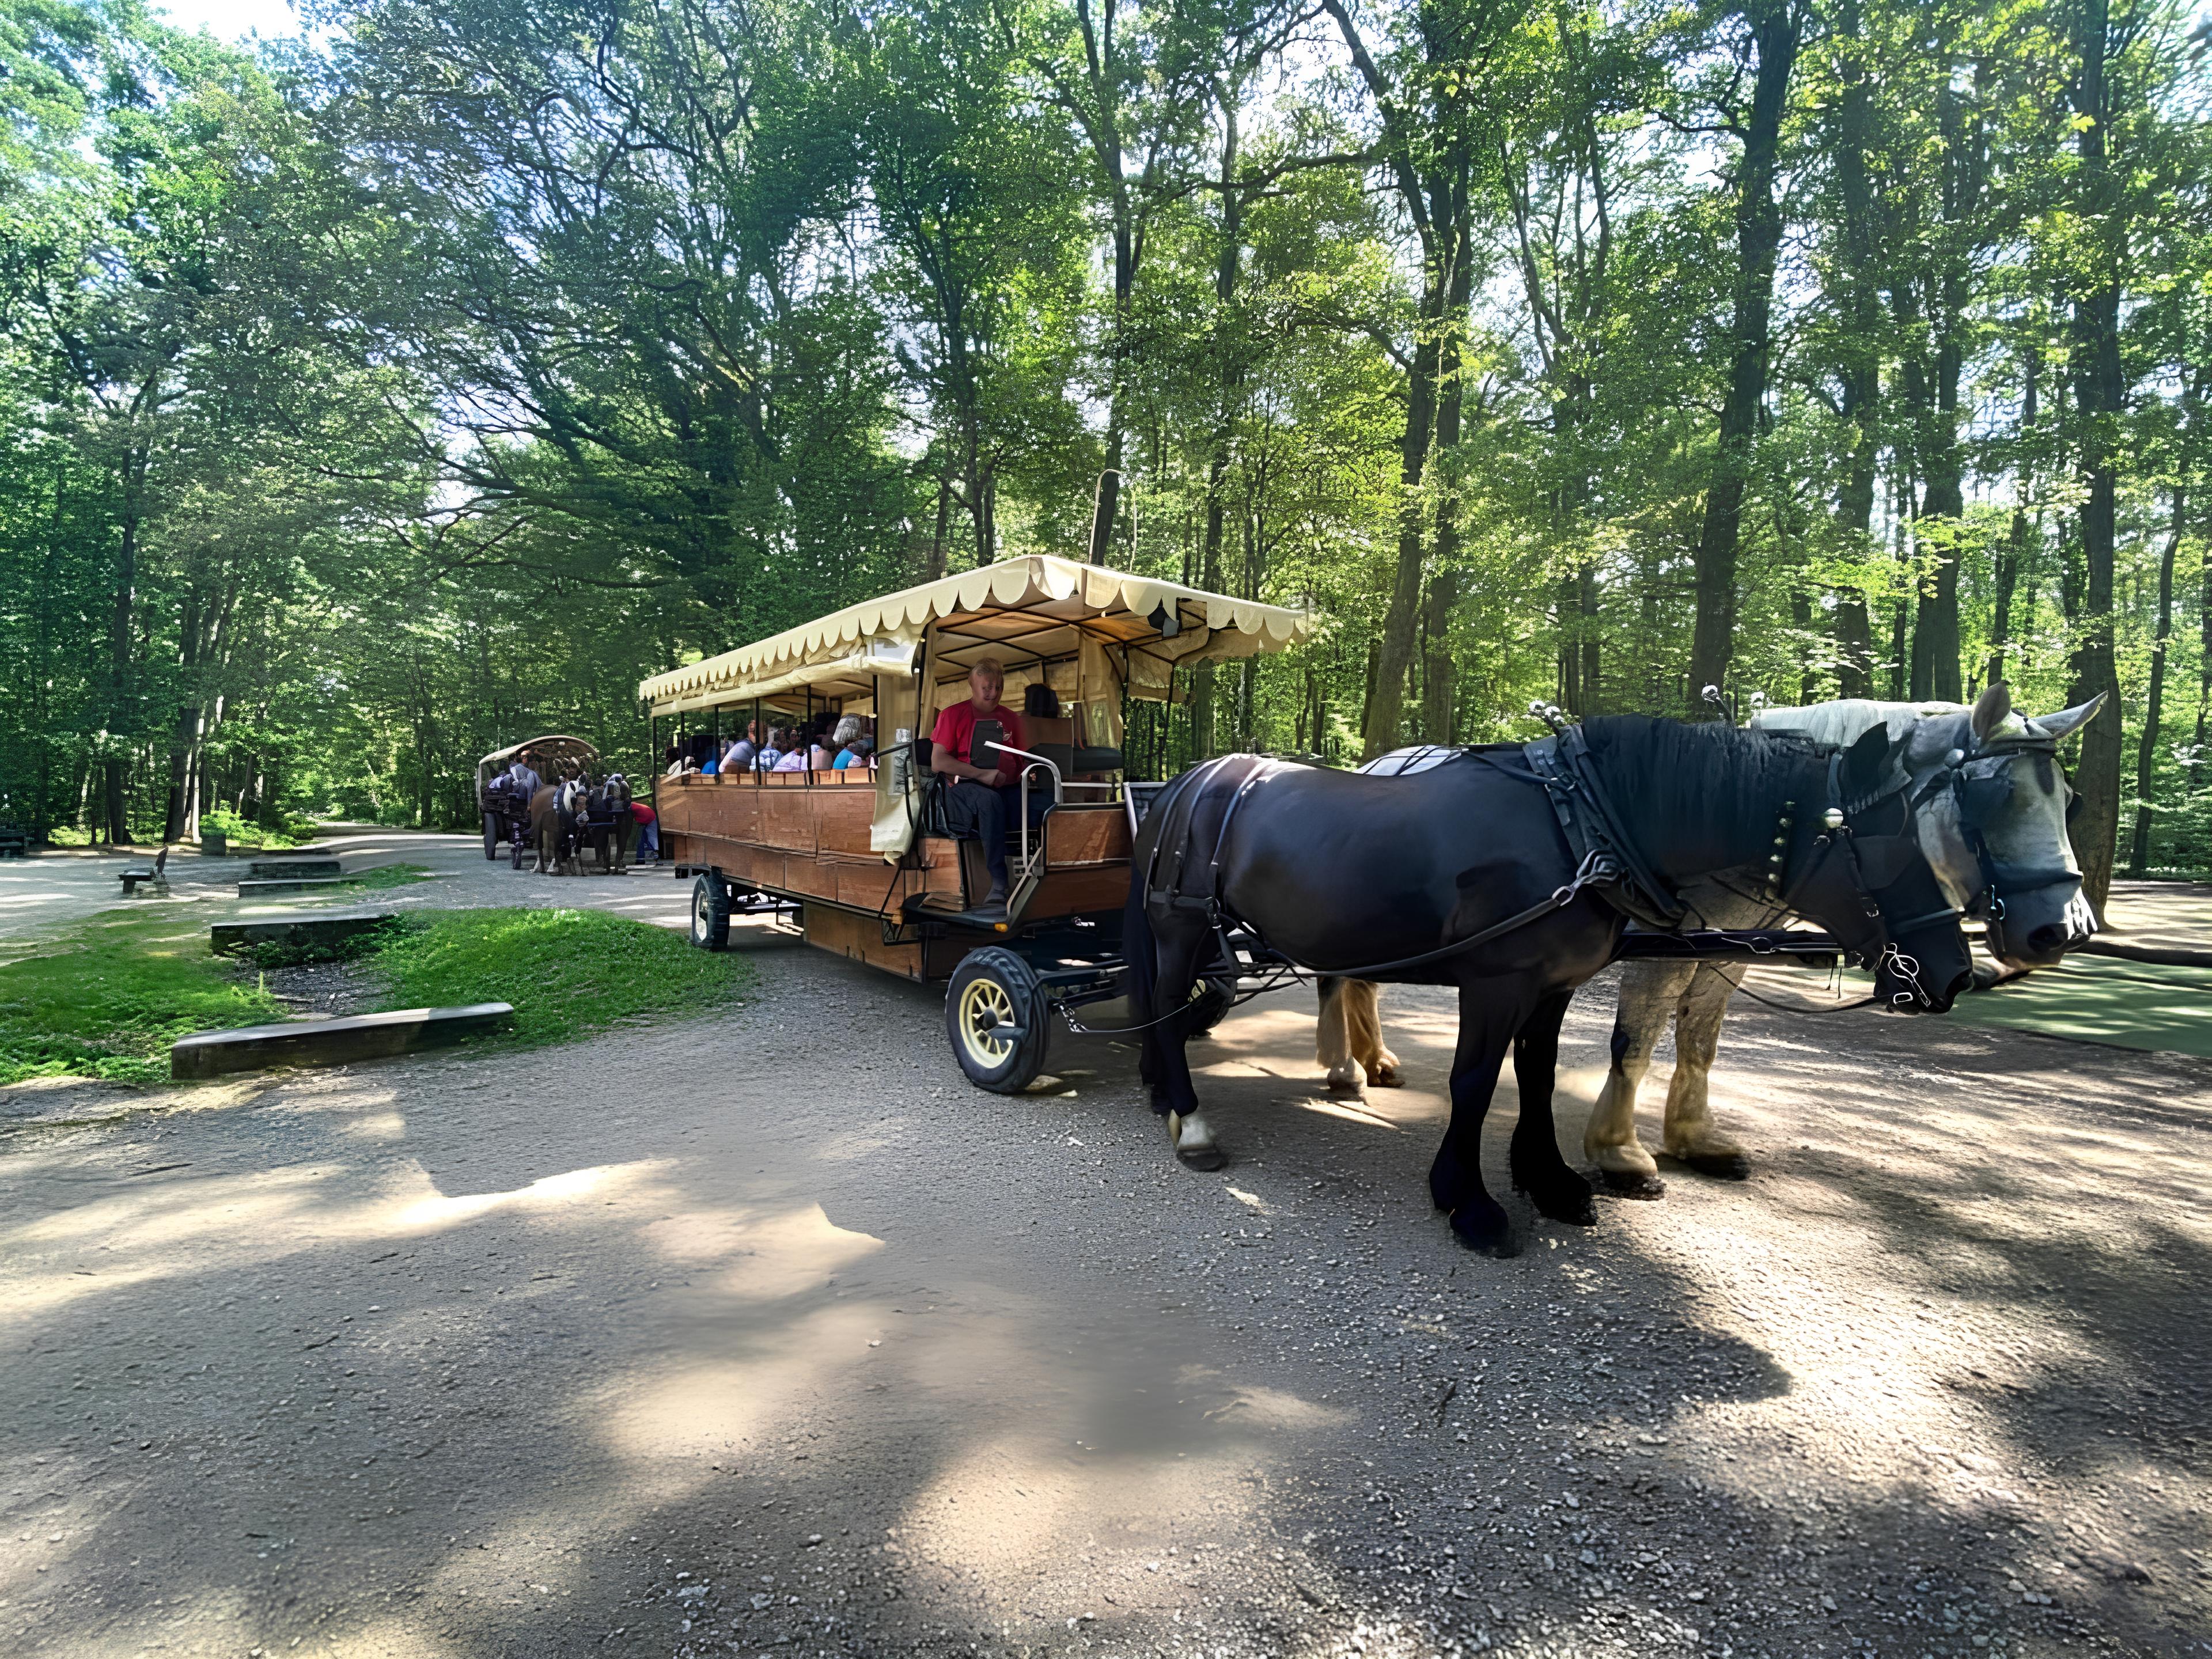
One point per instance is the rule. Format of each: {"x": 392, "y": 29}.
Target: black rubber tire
{"x": 491, "y": 836}
{"x": 991, "y": 989}
{"x": 710, "y": 912}
{"x": 1211, "y": 1001}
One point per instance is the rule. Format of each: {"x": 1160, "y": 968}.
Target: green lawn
{"x": 567, "y": 972}
{"x": 107, "y": 999}
{"x": 2126, "y": 1005}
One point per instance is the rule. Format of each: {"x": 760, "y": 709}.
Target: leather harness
{"x": 1608, "y": 861}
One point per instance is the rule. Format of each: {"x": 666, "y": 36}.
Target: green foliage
{"x": 567, "y": 972}
{"x": 367, "y": 410}
{"x": 106, "y": 999}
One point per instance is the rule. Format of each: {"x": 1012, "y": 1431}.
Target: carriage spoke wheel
{"x": 996, "y": 1013}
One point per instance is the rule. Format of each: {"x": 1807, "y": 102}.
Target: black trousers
{"x": 971, "y": 809}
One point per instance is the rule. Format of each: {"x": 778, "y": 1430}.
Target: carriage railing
{"x": 1059, "y": 788}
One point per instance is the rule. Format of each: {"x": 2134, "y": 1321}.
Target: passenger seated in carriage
{"x": 743, "y": 749}
{"x": 979, "y": 797}
{"x": 790, "y": 747}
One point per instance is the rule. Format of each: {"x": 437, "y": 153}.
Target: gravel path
{"x": 763, "y": 1334}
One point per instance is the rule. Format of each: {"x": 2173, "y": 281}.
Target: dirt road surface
{"x": 762, "y": 1334}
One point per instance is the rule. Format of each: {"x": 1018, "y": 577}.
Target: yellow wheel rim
{"x": 981, "y": 997}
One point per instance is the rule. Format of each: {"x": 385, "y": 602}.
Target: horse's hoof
{"x": 1722, "y": 1166}
{"x": 1387, "y": 1081}
{"x": 1633, "y": 1184}
{"x": 1486, "y": 1232}
{"x": 1205, "y": 1159}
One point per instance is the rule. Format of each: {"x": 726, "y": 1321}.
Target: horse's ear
{"x": 2067, "y": 722}
{"x": 1866, "y": 762}
{"x": 1990, "y": 710}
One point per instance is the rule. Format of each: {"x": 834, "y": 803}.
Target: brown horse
{"x": 554, "y": 811}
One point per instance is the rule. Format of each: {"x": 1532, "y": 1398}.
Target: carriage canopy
{"x": 1033, "y": 613}
{"x": 556, "y": 755}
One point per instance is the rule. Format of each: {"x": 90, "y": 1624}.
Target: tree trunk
{"x": 1386, "y": 690}
{"x": 117, "y": 770}
{"x": 944, "y": 524}
{"x": 1936, "y": 637}
{"x": 2012, "y": 558}
{"x": 2102, "y": 395}
{"x": 1774, "y": 26}
{"x": 2155, "y": 698}
{"x": 1861, "y": 368}
{"x": 1438, "y": 707}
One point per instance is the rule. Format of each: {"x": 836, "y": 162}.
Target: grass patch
{"x": 567, "y": 972}
{"x": 107, "y": 999}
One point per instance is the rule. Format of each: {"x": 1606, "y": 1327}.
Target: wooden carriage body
{"x": 854, "y": 850}
{"x": 805, "y": 837}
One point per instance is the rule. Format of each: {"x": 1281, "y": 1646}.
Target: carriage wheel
{"x": 1211, "y": 999}
{"x": 491, "y": 836}
{"x": 996, "y": 1013}
{"x": 710, "y": 914}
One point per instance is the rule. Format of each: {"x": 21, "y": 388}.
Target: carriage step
{"x": 332, "y": 1042}
{"x": 228, "y": 938}
{"x": 291, "y": 869}
{"x": 291, "y": 884}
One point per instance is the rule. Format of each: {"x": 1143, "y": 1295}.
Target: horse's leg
{"x": 1363, "y": 1020}
{"x": 1333, "y": 1050}
{"x": 1538, "y": 1169}
{"x": 1488, "y": 1021}
{"x": 1689, "y": 1132}
{"x": 1649, "y": 994}
{"x": 1175, "y": 1093}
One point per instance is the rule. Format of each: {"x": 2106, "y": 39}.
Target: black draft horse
{"x": 1342, "y": 872}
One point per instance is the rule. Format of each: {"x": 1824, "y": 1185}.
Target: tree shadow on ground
{"x": 683, "y": 1324}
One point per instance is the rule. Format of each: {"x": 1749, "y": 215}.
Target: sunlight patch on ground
{"x": 186, "y": 1227}
{"x": 667, "y": 1420}
{"x": 1010, "y": 1515}
{"x": 1343, "y": 1109}
{"x": 770, "y": 1257}
{"x": 1889, "y": 1349}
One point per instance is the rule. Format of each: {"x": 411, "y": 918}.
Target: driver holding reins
{"x": 980, "y": 798}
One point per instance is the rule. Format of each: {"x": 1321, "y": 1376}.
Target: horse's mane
{"x": 1668, "y": 774}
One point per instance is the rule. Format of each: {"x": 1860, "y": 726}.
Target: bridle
{"x": 1842, "y": 836}
{"x": 1979, "y": 786}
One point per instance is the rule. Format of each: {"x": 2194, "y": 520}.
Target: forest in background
{"x": 374, "y": 398}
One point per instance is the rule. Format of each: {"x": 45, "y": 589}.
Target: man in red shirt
{"x": 980, "y": 798}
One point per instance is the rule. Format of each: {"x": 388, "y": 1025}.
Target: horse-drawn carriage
{"x": 505, "y": 807}
{"x": 866, "y": 858}
{"x": 1515, "y": 872}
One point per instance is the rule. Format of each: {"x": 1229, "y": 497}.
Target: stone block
{"x": 332, "y": 1042}
{"x": 228, "y": 938}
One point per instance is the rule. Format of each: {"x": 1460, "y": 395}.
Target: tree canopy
{"x": 376, "y": 398}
